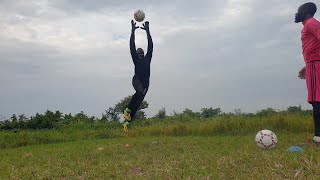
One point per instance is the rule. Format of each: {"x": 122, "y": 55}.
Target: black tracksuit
{"x": 140, "y": 80}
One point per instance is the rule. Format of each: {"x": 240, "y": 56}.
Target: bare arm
{"x": 302, "y": 73}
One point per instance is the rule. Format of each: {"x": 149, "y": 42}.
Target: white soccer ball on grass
{"x": 266, "y": 139}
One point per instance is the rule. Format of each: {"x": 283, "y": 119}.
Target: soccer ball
{"x": 266, "y": 139}
{"x": 139, "y": 15}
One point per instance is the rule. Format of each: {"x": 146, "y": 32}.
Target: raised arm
{"x": 150, "y": 42}
{"x": 133, "y": 50}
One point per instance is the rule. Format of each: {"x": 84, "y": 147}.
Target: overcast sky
{"x": 73, "y": 55}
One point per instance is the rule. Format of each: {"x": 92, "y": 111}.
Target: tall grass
{"x": 170, "y": 126}
{"x": 224, "y": 125}
{"x": 65, "y": 133}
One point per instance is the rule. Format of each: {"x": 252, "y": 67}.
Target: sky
{"x": 73, "y": 55}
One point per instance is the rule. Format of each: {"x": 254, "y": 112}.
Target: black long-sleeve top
{"x": 142, "y": 65}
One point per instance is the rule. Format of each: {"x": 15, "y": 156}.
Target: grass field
{"x": 177, "y": 152}
{"x": 222, "y": 157}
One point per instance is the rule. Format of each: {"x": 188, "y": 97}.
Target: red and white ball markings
{"x": 266, "y": 139}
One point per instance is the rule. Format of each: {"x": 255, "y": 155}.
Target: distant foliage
{"x": 190, "y": 113}
{"x": 294, "y": 109}
{"x": 56, "y": 119}
{"x": 112, "y": 114}
{"x": 161, "y": 113}
{"x": 266, "y": 112}
{"x": 48, "y": 120}
{"x": 210, "y": 112}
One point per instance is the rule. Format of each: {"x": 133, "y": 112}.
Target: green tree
{"x": 237, "y": 112}
{"x": 294, "y": 109}
{"x": 190, "y": 113}
{"x": 22, "y": 118}
{"x": 6, "y": 125}
{"x": 114, "y": 113}
{"x": 161, "y": 113}
{"x": 22, "y": 121}
{"x": 2, "y": 118}
{"x": 40, "y": 121}
{"x": 68, "y": 118}
{"x": 210, "y": 112}
{"x": 80, "y": 117}
{"x": 104, "y": 118}
{"x": 140, "y": 115}
{"x": 266, "y": 112}
{"x": 14, "y": 118}
{"x": 91, "y": 120}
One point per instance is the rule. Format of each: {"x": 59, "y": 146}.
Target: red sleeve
{"x": 314, "y": 27}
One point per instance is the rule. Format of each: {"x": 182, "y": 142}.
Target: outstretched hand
{"x": 145, "y": 26}
{"x": 133, "y": 25}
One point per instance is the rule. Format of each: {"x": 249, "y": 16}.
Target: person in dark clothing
{"x": 140, "y": 80}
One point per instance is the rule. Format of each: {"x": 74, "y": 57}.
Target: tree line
{"x": 51, "y": 120}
